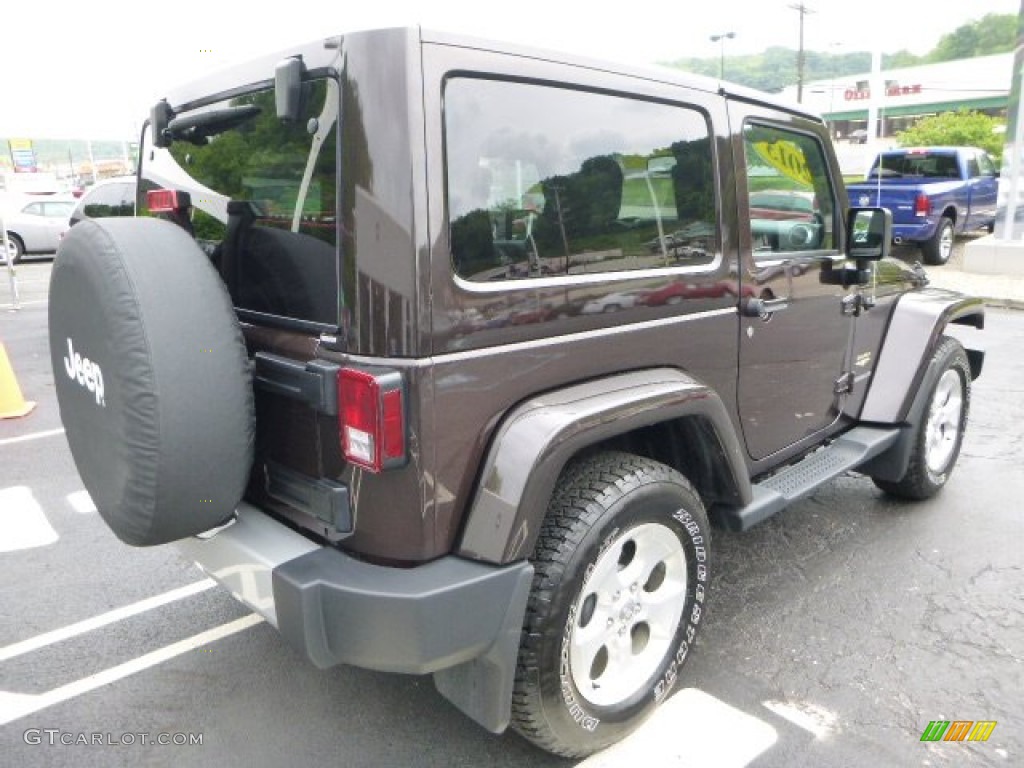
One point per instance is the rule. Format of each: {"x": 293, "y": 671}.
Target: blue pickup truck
{"x": 933, "y": 193}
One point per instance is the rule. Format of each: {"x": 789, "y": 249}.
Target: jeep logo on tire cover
{"x": 85, "y": 372}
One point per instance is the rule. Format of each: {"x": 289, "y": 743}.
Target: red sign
{"x": 854, "y": 94}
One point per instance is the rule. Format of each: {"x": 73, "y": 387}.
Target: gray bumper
{"x": 338, "y": 610}
{"x": 453, "y": 617}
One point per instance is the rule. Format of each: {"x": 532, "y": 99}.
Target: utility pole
{"x": 803, "y": 10}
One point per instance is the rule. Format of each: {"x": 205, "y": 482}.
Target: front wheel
{"x": 621, "y": 573}
{"x": 939, "y": 248}
{"x": 937, "y": 437}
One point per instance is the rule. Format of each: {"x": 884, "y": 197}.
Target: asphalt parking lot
{"x": 837, "y": 630}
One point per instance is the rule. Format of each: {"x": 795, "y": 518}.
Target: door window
{"x": 792, "y": 200}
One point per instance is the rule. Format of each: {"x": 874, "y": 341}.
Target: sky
{"x": 77, "y": 69}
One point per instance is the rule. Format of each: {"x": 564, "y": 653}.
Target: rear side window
{"x": 264, "y": 197}
{"x": 58, "y": 209}
{"x": 545, "y": 181}
{"x": 985, "y": 165}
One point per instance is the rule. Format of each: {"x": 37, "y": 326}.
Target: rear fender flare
{"x": 537, "y": 438}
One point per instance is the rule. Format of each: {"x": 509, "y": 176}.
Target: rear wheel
{"x": 618, "y": 594}
{"x": 938, "y": 250}
{"x": 15, "y": 249}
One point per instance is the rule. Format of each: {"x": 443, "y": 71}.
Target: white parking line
{"x": 23, "y": 523}
{"x": 31, "y": 436}
{"x": 81, "y": 502}
{"x": 86, "y": 625}
{"x": 24, "y": 304}
{"x": 14, "y": 706}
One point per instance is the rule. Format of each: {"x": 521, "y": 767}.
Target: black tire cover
{"x": 152, "y": 378}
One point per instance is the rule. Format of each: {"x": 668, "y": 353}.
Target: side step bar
{"x": 801, "y": 479}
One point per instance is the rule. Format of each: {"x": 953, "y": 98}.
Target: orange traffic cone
{"x": 12, "y": 404}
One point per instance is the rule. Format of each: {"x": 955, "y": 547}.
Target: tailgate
{"x": 898, "y": 199}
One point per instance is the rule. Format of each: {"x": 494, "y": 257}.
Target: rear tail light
{"x": 922, "y": 205}
{"x": 371, "y": 418}
{"x": 167, "y": 200}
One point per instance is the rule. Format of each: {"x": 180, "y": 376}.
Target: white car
{"x": 612, "y": 302}
{"x": 35, "y": 225}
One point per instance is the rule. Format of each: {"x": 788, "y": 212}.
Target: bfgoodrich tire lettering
{"x": 939, "y": 433}
{"x": 621, "y": 575}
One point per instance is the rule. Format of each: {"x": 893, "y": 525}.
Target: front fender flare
{"x": 538, "y": 437}
{"x": 915, "y": 328}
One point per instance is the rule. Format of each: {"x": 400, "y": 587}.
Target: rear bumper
{"x": 338, "y": 610}
{"x": 918, "y": 231}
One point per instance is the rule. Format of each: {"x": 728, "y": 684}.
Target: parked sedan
{"x": 35, "y": 225}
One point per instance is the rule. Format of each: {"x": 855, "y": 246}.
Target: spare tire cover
{"x": 152, "y": 378}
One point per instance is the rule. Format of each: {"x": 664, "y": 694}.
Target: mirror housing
{"x": 868, "y": 233}
{"x": 159, "y": 118}
{"x": 288, "y": 89}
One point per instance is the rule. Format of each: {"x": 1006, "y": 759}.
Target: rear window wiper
{"x": 198, "y": 128}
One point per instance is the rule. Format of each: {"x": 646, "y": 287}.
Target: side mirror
{"x": 159, "y": 118}
{"x": 288, "y": 89}
{"x": 868, "y": 233}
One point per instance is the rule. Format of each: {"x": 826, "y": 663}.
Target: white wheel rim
{"x": 946, "y": 243}
{"x": 943, "y": 427}
{"x": 627, "y": 614}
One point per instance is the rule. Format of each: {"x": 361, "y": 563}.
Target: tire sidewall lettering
{"x": 667, "y": 682}
{"x": 694, "y": 540}
{"x": 574, "y": 707}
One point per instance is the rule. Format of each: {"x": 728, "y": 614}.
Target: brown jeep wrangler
{"x": 441, "y": 355}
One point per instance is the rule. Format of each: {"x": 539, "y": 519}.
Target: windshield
{"x": 264, "y": 198}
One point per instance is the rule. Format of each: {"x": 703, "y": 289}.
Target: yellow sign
{"x": 787, "y": 158}
{"x": 23, "y": 155}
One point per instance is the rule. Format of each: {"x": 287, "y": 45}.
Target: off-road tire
{"x": 613, "y": 517}
{"x": 936, "y": 445}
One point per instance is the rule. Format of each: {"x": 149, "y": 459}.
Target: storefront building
{"x": 981, "y": 84}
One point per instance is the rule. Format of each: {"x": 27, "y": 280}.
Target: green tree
{"x": 993, "y": 33}
{"x": 775, "y": 68}
{"x": 963, "y": 128}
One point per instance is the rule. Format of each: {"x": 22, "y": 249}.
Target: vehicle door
{"x": 55, "y": 217}
{"x": 984, "y": 191}
{"x": 794, "y": 335}
{"x": 32, "y": 226}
